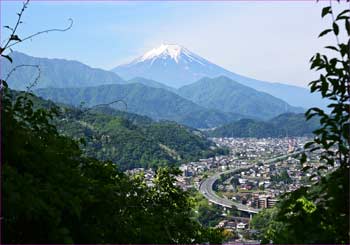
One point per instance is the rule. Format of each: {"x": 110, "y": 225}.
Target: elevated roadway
{"x": 206, "y": 187}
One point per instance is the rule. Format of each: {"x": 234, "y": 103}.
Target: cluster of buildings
{"x": 233, "y": 224}
{"x": 243, "y": 151}
{"x": 258, "y": 186}
{"x": 261, "y": 148}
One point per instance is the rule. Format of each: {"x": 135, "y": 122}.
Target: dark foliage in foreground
{"x": 53, "y": 194}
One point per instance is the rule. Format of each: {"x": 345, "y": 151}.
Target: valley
{"x": 219, "y": 134}
{"x": 108, "y": 138}
{"x": 206, "y": 103}
{"x": 249, "y": 179}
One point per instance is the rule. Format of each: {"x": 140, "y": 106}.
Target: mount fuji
{"x": 176, "y": 66}
{"x": 170, "y": 64}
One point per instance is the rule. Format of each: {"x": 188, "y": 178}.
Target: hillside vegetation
{"x": 130, "y": 140}
{"x": 52, "y": 193}
{"x": 287, "y": 124}
{"x": 156, "y": 103}
{"x": 223, "y": 93}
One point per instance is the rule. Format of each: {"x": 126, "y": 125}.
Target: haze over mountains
{"x": 156, "y": 103}
{"x": 56, "y": 73}
{"x": 224, "y": 94}
{"x": 204, "y": 103}
{"x": 176, "y": 66}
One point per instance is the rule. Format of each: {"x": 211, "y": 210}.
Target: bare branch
{"x": 25, "y": 4}
{"x": 13, "y": 39}
{"x": 31, "y": 85}
{"x": 45, "y": 31}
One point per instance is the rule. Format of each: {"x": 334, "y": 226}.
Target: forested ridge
{"x": 52, "y": 193}
{"x": 284, "y": 125}
{"x": 134, "y": 141}
{"x": 129, "y": 140}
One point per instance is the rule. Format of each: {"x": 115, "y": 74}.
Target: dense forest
{"x": 134, "y": 141}
{"x": 128, "y": 139}
{"x": 284, "y": 125}
{"x": 52, "y": 193}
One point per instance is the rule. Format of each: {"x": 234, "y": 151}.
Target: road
{"x": 206, "y": 187}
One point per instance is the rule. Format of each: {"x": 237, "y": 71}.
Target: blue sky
{"x": 267, "y": 40}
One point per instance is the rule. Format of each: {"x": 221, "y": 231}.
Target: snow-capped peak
{"x": 173, "y": 51}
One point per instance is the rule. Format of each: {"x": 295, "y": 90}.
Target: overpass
{"x": 206, "y": 187}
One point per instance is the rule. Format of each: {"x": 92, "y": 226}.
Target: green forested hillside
{"x": 222, "y": 93}
{"x": 153, "y": 102}
{"x": 52, "y": 193}
{"x": 288, "y": 124}
{"x": 137, "y": 143}
{"x": 151, "y": 83}
{"x": 128, "y": 139}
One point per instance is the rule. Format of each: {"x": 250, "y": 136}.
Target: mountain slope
{"x": 176, "y": 66}
{"x": 151, "y": 83}
{"x": 57, "y": 73}
{"x": 224, "y": 94}
{"x": 131, "y": 145}
{"x": 127, "y": 139}
{"x": 156, "y": 103}
{"x": 287, "y": 124}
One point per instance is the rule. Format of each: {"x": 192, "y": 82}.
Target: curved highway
{"x": 206, "y": 187}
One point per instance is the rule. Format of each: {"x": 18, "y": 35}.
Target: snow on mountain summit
{"x": 172, "y": 64}
{"x": 173, "y": 51}
{"x": 176, "y": 66}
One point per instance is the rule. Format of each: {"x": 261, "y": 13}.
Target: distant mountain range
{"x": 157, "y": 103}
{"x": 206, "y": 103}
{"x": 284, "y": 125}
{"x": 224, "y": 94}
{"x": 57, "y": 73}
{"x": 176, "y": 66}
{"x": 151, "y": 83}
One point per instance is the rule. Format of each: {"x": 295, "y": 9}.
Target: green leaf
{"x": 322, "y": 168}
{"x": 324, "y": 32}
{"x": 333, "y": 48}
{"x": 326, "y": 10}
{"x": 335, "y": 28}
{"x": 3, "y": 84}
{"x": 7, "y": 27}
{"x": 7, "y": 57}
{"x": 347, "y": 26}
{"x": 15, "y": 38}
{"x": 308, "y": 144}
{"x": 340, "y": 15}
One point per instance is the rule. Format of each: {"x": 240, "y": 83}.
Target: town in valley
{"x": 250, "y": 178}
